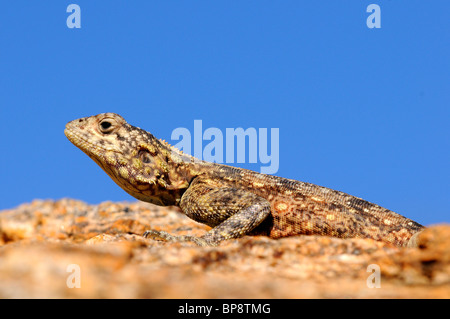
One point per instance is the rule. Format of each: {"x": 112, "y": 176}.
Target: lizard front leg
{"x": 231, "y": 212}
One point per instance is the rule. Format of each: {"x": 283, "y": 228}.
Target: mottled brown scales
{"x": 233, "y": 201}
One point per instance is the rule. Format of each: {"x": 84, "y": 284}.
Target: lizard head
{"x": 145, "y": 167}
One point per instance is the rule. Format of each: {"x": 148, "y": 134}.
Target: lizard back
{"x": 300, "y": 208}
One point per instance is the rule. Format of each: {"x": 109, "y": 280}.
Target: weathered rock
{"x": 44, "y": 244}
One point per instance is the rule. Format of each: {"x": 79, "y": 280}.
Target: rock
{"x": 49, "y": 248}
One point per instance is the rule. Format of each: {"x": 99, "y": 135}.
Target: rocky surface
{"x": 48, "y": 248}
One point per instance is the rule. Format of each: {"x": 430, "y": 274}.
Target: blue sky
{"x": 364, "y": 111}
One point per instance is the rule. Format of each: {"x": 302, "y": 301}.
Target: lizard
{"x": 233, "y": 201}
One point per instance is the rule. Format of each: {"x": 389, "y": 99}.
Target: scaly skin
{"x": 233, "y": 201}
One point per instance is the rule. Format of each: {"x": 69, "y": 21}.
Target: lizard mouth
{"x": 82, "y": 142}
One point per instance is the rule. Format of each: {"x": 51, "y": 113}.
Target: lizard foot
{"x": 164, "y": 236}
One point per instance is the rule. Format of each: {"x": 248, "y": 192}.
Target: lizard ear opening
{"x": 145, "y": 156}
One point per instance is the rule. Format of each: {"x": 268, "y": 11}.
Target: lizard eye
{"x": 105, "y": 126}
{"x": 145, "y": 156}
